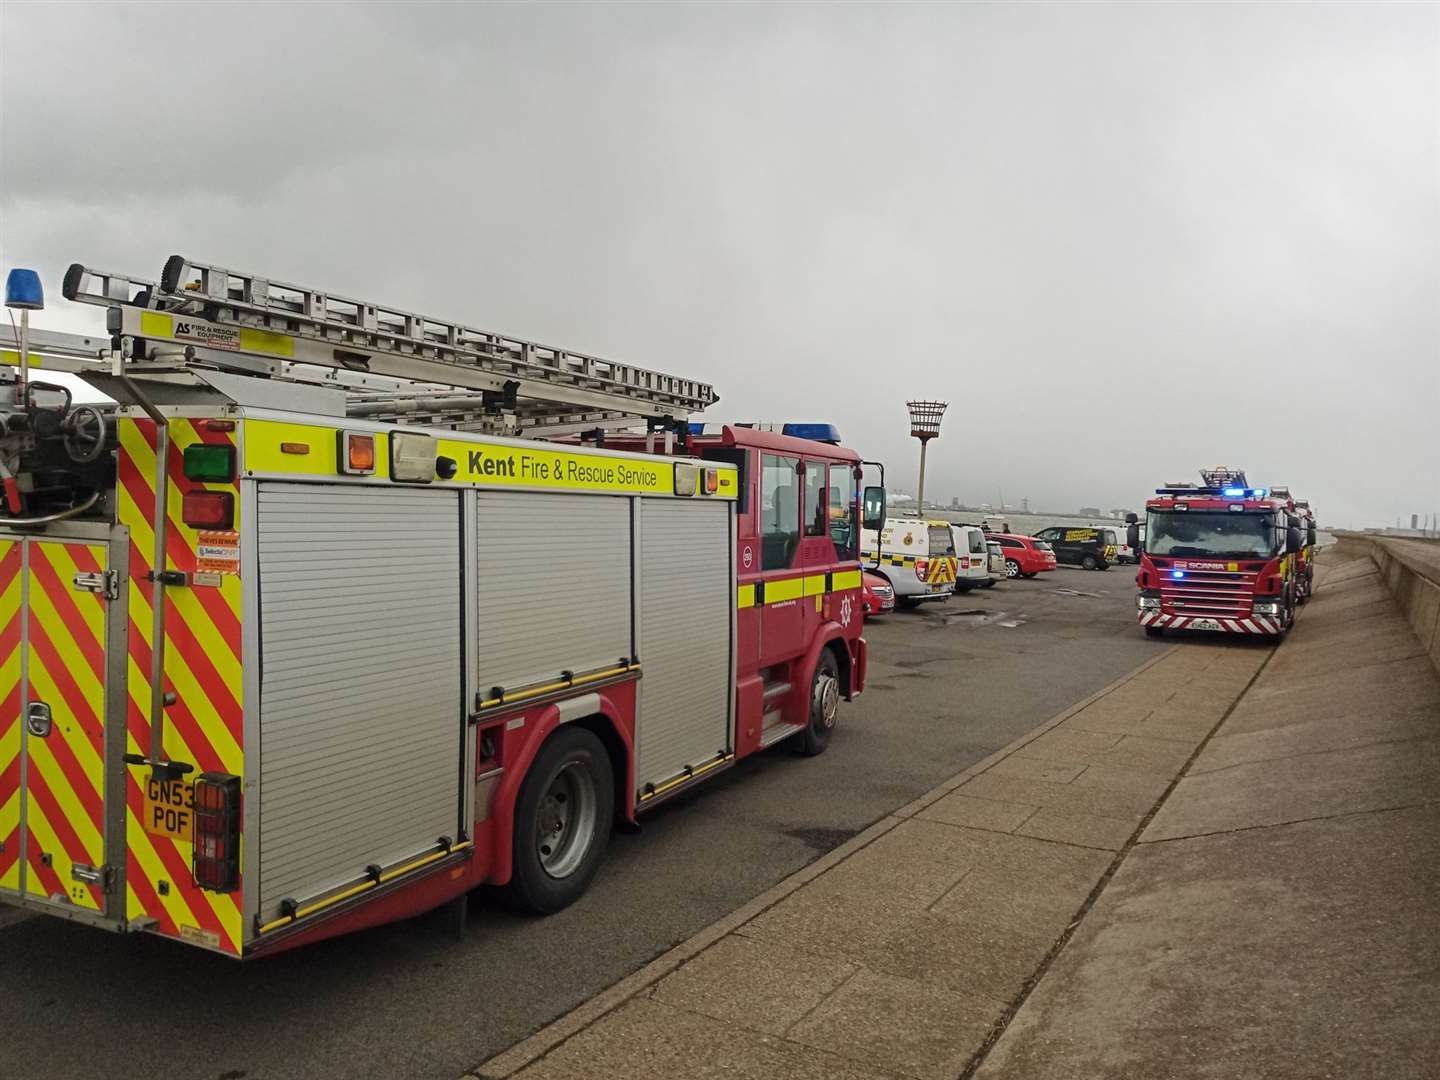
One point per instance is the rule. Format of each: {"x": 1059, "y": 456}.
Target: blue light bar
{"x": 1177, "y": 573}
{"x": 1234, "y": 493}
{"x": 1259, "y": 493}
{"x": 826, "y": 433}
{"x": 23, "y": 290}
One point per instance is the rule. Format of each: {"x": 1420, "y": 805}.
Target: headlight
{"x": 1149, "y": 601}
{"x": 1268, "y": 607}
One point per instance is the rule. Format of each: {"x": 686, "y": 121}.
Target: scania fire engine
{"x": 1220, "y": 556}
{"x": 307, "y": 629}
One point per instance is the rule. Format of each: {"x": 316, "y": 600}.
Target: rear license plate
{"x": 1205, "y": 624}
{"x": 168, "y": 808}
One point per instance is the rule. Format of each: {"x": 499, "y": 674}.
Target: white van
{"x": 915, "y": 555}
{"x": 971, "y": 555}
{"x": 1124, "y": 553}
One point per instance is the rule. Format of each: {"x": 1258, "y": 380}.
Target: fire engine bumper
{"x": 1247, "y": 624}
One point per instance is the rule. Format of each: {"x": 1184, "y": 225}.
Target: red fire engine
{"x": 306, "y": 631}
{"x": 1219, "y": 557}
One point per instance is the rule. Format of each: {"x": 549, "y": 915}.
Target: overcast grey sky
{"x": 1124, "y": 241}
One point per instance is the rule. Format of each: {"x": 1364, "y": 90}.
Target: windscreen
{"x": 1210, "y": 532}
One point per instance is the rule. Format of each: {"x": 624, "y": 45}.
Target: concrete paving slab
{"x": 1316, "y": 785}
{"x": 646, "y": 1039}
{"x": 762, "y": 986}
{"x": 1041, "y": 892}
{"x": 1061, "y": 798}
{"x": 1143, "y": 752}
{"x": 900, "y": 1025}
{"x": 1084, "y": 830}
{"x": 958, "y": 809}
{"x": 1343, "y": 691}
{"x": 1293, "y": 952}
{"x": 1397, "y": 643}
{"x": 1035, "y": 769}
{"x": 1118, "y": 778}
{"x": 1414, "y": 720}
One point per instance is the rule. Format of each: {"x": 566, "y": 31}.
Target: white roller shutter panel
{"x": 362, "y": 721}
{"x": 553, "y": 586}
{"x": 687, "y": 592}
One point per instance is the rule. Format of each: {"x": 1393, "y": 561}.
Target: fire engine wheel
{"x": 1012, "y": 568}
{"x": 562, "y": 822}
{"x": 824, "y": 706}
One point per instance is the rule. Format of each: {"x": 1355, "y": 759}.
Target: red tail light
{"x": 215, "y": 861}
{"x": 208, "y": 509}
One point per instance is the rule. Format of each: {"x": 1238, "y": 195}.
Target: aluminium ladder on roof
{"x": 396, "y": 365}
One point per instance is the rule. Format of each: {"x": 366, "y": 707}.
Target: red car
{"x": 1024, "y": 555}
{"x": 878, "y": 596}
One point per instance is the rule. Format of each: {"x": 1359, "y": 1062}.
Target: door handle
{"x": 37, "y": 719}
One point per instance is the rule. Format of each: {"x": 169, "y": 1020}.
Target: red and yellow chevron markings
{"x": 10, "y": 557}
{"x": 202, "y": 668}
{"x": 65, "y": 778}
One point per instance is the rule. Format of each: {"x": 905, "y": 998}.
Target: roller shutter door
{"x": 361, "y": 722}
{"x": 553, "y": 586}
{"x": 687, "y": 601}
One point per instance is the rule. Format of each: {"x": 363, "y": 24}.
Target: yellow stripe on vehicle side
{"x": 745, "y": 596}
{"x": 844, "y": 579}
{"x": 7, "y": 356}
{"x": 777, "y": 592}
{"x": 814, "y": 584}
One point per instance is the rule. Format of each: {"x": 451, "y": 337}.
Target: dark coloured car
{"x": 1089, "y": 547}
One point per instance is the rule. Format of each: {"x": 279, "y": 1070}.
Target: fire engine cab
{"x": 1220, "y": 556}
{"x": 307, "y": 628}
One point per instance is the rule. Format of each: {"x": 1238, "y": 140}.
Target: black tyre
{"x": 562, "y": 822}
{"x": 1088, "y": 562}
{"x": 1012, "y": 568}
{"x": 963, "y": 587}
{"x": 906, "y": 603}
{"x": 1031, "y": 574}
{"x": 988, "y": 584}
{"x": 824, "y": 706}
{"x": 1154, "y": 631}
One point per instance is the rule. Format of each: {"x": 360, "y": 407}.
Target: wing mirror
{"x": 873, "y": 510}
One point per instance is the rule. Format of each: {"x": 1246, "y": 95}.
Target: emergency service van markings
{"x": 202, "y": 667}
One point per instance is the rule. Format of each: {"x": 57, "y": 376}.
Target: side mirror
{"x": 1132, "y": 534}
{"x": 872, "y": 514}
{"x": 1131, "y": 518}
{"x": 1310, "y": 535}
{"x": 1293, "y": 540}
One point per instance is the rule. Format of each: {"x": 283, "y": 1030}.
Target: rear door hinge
{"x": 104, "y": 582}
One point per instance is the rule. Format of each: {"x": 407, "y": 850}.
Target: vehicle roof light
{"x": 827, "y": 433}
{"x": 23, "y": 290}
{"x": 1234, "y": 493}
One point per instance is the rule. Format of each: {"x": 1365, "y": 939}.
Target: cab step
{"x": 776, "y": 729}
{"x": 775, "y": 690}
